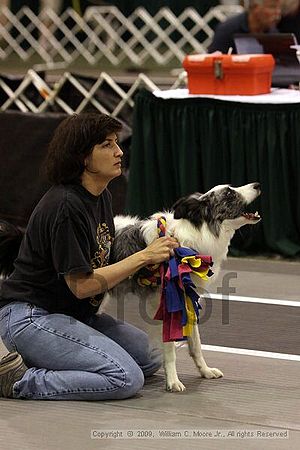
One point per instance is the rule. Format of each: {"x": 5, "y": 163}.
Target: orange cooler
{"x": 229, "y": 74}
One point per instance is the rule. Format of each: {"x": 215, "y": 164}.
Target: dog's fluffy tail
{"x": 10, "y": 240}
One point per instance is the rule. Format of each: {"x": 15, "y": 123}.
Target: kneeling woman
{"x": 59, "y": 347}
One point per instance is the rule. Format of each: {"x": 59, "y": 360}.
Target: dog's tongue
{"x": 252, "y": 216}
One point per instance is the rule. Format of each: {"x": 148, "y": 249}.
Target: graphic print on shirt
{"x": 104, "y": 241}
{"x": 101, "y": 256}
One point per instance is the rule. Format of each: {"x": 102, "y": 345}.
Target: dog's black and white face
{"x": 223, "y": 204}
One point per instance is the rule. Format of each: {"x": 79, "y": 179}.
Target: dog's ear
{"x": 190, "y": 208}
{"x": 181, "y": 207}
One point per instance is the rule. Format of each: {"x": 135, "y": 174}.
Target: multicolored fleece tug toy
{"x": 179, "y": 302}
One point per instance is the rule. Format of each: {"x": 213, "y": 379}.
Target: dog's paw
{"x": 175, "y": 386}
{"x": 211, "y": 372}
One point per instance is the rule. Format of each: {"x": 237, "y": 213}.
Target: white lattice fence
{"x": 48, "y": 96}
{"x": 104, "y": 32}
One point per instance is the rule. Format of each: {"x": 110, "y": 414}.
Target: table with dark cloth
{"x": 191, "y": 144}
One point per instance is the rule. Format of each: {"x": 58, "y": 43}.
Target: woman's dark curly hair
{"x": 73, "y": 140}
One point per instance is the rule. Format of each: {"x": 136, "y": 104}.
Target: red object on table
{"x": 221, "y": 74}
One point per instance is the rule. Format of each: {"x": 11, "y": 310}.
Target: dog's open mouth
{"x": 251, "y": 216}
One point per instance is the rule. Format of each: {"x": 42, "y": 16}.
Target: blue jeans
{"x": 99, "y": 359}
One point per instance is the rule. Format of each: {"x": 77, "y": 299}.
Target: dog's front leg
{"x": 195, "y": 351}
{"x": 172, "y": 381}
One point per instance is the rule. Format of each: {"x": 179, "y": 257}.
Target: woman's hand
{"x": 160, "y": 250}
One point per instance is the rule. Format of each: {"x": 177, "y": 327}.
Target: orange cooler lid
{"x": 208, "y": 60}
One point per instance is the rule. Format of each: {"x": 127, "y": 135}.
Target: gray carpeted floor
{"x": 257, "y": 394}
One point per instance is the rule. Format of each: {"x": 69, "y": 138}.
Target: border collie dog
{"x": 205, "y": 223}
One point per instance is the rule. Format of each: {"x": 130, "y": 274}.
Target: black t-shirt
{"x": 291, "y": 24}
{"x": 70, "y": 231}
